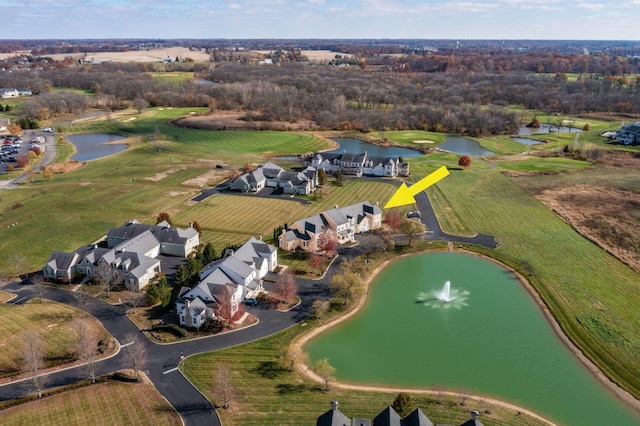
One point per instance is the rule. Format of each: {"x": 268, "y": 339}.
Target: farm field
{"x": 53, "y": 321}
{"x": 269, "y": 394}
{"x": 110, "y": 403}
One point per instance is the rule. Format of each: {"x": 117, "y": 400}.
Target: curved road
{"x": 163, "y": 360}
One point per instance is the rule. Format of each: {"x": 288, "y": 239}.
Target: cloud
{"x": 591, "y": 6}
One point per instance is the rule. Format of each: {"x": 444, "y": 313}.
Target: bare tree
{"x": 319, "y": 308}
{"x": 33, "y": 360}
{"x": 104, "y": 278}
{"x": 222, "y": 388}
{"x": 325, "y": 371}
{"x": 293, "y": 356}
{"x": 135, "y": 353}
{"x": 19, "y": 262}
{"x": 38, "y": 282}
{"x": 140, "y": 104}
{"x": 464, "y": 395}
{"x": 86, "y": 346}
{"x": 371, "y": 243}
{"x": 136, "y": 300}
{"x": 438, "y": 391}
{"x": 287, "y": 287}
{"x": 82, "y": 299}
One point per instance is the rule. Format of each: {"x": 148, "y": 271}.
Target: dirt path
{"x": 299, "y": 343}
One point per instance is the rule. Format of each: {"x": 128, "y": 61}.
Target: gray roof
{"x": 388, "y": 417}
{"x": 163, "y": 232}
{"x": 60, "y": 260}
{"x": 333, "y": 417}
{"x": 141, "y": 243}
{"x": 417, "y": 418}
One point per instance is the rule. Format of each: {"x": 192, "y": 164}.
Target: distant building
{"x": 359, "y": 164}
{"x": 7, "y": 92}
{"x": 629, "y": 134}
{"x": 273, "y": 176}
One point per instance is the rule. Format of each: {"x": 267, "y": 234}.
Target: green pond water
{"x": 499, "y": 344}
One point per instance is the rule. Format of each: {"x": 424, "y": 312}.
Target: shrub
{"x": 174, "y": 329}
{"x": 212, "y": 325}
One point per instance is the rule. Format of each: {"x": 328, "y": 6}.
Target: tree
{"x": 339, "y": 180}
{"x": 195, "y": 225}
{"x": 411, "y": 229}
{"x": 586, "y": 127}
{"x": 322, "y": 177}
{"x": 160, "y": 292}
{"x": 319, "y": 308}
{"x": 248, "y": 168}
{"x": 208, "y": 254}
{"x": 371, "y": 243}
{"x": 294, "y": 355}
{"x": 19, "y": 261}
{"x": 286, "y": 286}
{"x": 164, "y": 216}
{"x": 393, "y": 218}
{"x": 38, "y": 283}
{"x": 140, "y": 104}
{"x": 104, "y": 278}
{"x": 135, "y": 353}
{"x": 224, "y": 305}
{"x": 346, "y": 284}
{"x": 136, "y": 300}
{"x": 86, "y": 346}
{"x": 222, "y": 388}
{"x": 327, "y": 241}
{"x": 464, "y": 161}
{"x": 315, "y": 261}
{"x": 32, "y": 355}
{"x": 82, "y": 299}
{"x": 402, "y": 404}
{"x": 325, "y": 371}
{"x": 183, "y": 275}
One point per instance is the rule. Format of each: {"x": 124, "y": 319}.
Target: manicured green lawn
{"x": 268, "y": 394}
{"x": 111, "y": 403}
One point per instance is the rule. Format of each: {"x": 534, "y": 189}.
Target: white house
{"x": 359, "y": 164}
{"x": 274, "y": 176}
{"x": 629, "y": 134}
{"x": 225, "y": 282}
{"x": 343, "y": 223}
{"x": 130, "y": 256}
{"x": 8, "y": 92}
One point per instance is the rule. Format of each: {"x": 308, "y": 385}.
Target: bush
{"x": 212, "y": 325}
{"x": 174, "y": 329}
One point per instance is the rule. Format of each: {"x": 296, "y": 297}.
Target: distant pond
{"x": 526, "y": 141}
{"x": 358, "y": 146}
{"x": 463, "y": 146}
{"x": 546, "y": 128}
{"x": 91, "y": 146}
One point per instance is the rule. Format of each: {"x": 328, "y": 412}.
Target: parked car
{"x": 251, "y": 301}
{"x": 414, "y": 214}
{"x": 47, "y": 130}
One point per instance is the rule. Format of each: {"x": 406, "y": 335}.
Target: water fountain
{"x": 445, "y": 294}
{"x": 445, "y": 298}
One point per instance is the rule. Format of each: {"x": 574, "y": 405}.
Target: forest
{"x": 465, "y": 91}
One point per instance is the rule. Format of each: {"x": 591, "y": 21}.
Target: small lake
{"x": 495, "y": 342}
{"x": 91, "y": 146}
{"x": 463, "y": 146}
{"x": 526, "y": 141}
{"x": 358, "y": 146}
{"x": 546, "y": 128}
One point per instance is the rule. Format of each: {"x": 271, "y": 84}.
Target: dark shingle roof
{"x": 333, "y": 417}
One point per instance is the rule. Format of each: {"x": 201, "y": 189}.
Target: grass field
{"x": 53, "y": 321}
{"x": 267, "y": 394}
{"x": 110, "y": 403}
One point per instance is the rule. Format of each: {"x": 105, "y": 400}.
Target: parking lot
{"x": 12, "y": 147}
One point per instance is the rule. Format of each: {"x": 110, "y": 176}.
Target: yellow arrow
{"x": 404, "y": 195}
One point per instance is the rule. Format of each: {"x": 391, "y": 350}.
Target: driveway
{"x": 47, "y": 158}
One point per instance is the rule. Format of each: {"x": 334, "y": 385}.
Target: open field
{"x": 268, "y": 394}
{"x": 592, "y": 295}
{"x": 110, "y": 403}
{"x": 232, "y": 219}
{"x": 152, "y": 55}
{"x": 53, "y": 321}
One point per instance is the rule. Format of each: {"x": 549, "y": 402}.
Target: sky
{"x": 327, "y": 19}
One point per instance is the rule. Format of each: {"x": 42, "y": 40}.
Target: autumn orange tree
{"x": 465, "y": 161}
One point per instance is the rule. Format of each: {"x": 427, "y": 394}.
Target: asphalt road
{"x": 162, "y": 360}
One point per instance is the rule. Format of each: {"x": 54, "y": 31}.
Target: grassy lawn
{"x": 232, "y": 219}
{"x": 110, "y": 403}
{"x": 53, "y": 321}
{"x": 268, "y": 394}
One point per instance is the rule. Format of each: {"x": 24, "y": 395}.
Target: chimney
{"x": 335, "y": 206}
{"x": 334, "y": 405}
{"x": 475, "y": 415}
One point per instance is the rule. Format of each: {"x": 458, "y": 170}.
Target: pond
{"x": 91, "y": 146}
{"x": 526, "y": 141}
{"x": 495, "y": 342}
{"x": 358, "y": 146}
{"x": 546, "y": 128}
{"x": 463, "y": 146}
